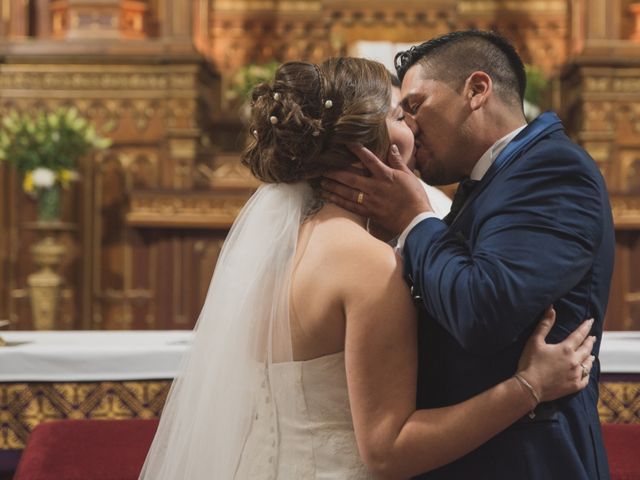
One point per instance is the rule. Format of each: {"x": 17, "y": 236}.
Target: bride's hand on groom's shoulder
{"x": 392, "y": 196}
{"x": 557, "y": 370}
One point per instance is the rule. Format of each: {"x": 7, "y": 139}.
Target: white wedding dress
{"x": 241, "y": 408}
{"x": 317, "y": 440}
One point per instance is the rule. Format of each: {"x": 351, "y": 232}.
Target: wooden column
{"x": 43, "y": 19}
{"x": 177, "y": 21}
{"x": 634, "y": 8}
{"x": 17, "y": 18}
{"x": 596, "y": 23}
{"x": 601, "y": 109}
{"x": 5, "y": 15}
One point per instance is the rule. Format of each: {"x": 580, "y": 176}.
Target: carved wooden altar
{"x": 152, "y": 212}
{"x": 601, "y": 107}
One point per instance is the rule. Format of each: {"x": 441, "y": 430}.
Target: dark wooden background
{"x": 148, "y": 218}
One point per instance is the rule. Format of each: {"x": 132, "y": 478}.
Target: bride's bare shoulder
{"x": 350, "y": 246}
{"x": 358, "y": 269}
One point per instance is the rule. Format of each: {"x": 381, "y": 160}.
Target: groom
{"x": 530, "y": 226}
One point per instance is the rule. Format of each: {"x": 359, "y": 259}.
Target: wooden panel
{"x": 153, "y": 112}
{"x": 258, "y": 31}
{"x": 5, "y": 254}
{"x": 624, "y": 303}
{"x": 143, "y": 259}
{"x": 601, "y": 102}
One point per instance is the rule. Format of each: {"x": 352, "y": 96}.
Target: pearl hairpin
{"x": 328, "y": 104}
{"x": 276, "y": 97}
{"x": 273, "y": 119}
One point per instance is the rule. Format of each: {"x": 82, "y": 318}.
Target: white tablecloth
{"x": 620, "y": 352}
{"x": 136, "y": 355}
{"x": 75, "y": 356}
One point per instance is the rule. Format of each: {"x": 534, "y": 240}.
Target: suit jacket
{"x": 537, "y": 230}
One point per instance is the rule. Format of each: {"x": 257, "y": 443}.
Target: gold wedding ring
{"x": 585, "y": 371}
{"x": 360, "y": 199}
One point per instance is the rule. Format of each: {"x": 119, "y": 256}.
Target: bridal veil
{"x": 242, "y": 330}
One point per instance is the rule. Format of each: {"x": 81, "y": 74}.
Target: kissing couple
{"x": 322, "y": 352}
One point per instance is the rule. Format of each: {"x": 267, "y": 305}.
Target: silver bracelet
{"x": 528, "y": 386}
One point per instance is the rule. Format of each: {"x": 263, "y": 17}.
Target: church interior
{"x": 102, "y": 280}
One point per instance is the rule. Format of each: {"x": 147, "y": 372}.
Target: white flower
{"x": 43, "y": 178}
{"x": 531, "y": 111}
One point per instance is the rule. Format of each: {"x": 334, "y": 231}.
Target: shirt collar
{"x": 487, "y": 159}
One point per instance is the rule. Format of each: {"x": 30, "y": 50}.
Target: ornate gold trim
{"x": 25, "y": 405}
{"x": 626, "y": 212}
{"x": 123, "y": 78}
{"x": 545, "y": 7}
{"x": 184, "y": 210}
{"x": 285, "y": 6}
{"x": 619, "y": 402}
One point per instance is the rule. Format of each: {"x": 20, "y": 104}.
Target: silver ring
{"x": 585, "y": 371}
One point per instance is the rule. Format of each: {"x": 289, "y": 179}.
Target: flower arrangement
{"x": 45, "y": 148}
{"x": 246, "y": 78}
{"x": 536, "y": 85}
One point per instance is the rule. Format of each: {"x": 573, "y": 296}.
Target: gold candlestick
{"x": 45, "y": 285}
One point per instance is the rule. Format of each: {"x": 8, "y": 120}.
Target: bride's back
{"x": 331, "y": 246}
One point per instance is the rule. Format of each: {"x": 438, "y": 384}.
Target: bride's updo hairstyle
{"x": 301, "y": 125}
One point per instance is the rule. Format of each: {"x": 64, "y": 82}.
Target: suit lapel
{"x": 545, "y": 124}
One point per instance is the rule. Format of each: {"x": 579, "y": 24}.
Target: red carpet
{"x": 86, "y": 450}
{"x": 623, "y": 449}
{"x": 116, "y": 449}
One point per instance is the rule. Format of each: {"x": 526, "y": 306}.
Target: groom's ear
{"x": 478, "y": 88}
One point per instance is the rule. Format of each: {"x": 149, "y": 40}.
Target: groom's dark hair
{"x": 454, "y": 56}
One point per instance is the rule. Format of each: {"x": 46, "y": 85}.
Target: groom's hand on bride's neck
{"x": 390, "y": 195}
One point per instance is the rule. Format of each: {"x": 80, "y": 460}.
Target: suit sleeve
{"x": 529, "y": 251}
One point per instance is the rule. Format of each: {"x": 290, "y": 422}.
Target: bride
{"x": 303, "y": 362}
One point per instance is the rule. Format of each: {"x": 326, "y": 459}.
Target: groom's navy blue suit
{"x": 537, "y": 230}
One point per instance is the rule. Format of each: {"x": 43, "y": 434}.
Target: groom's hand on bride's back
{"x": 391, "y": 196}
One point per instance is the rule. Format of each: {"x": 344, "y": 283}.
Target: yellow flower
{"x": 27, "y": 183}
{"x": 53, "y": 120}
{"x": 67, "y": 176}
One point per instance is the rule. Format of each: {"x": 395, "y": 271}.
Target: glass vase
{"x": 49, "y": 203}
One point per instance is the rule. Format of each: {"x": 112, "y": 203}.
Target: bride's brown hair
{"x": 301, "y": 125}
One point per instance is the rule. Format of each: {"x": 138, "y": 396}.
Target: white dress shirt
{"x": 479, "y": 169}
{"x": 439, "y": 200}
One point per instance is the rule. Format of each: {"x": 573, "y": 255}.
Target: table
{"x": 83, "y": 375}
{"x": 127, "y": 374}
{"x": 79, "y": 356}
{"x": 620, "y": 379}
